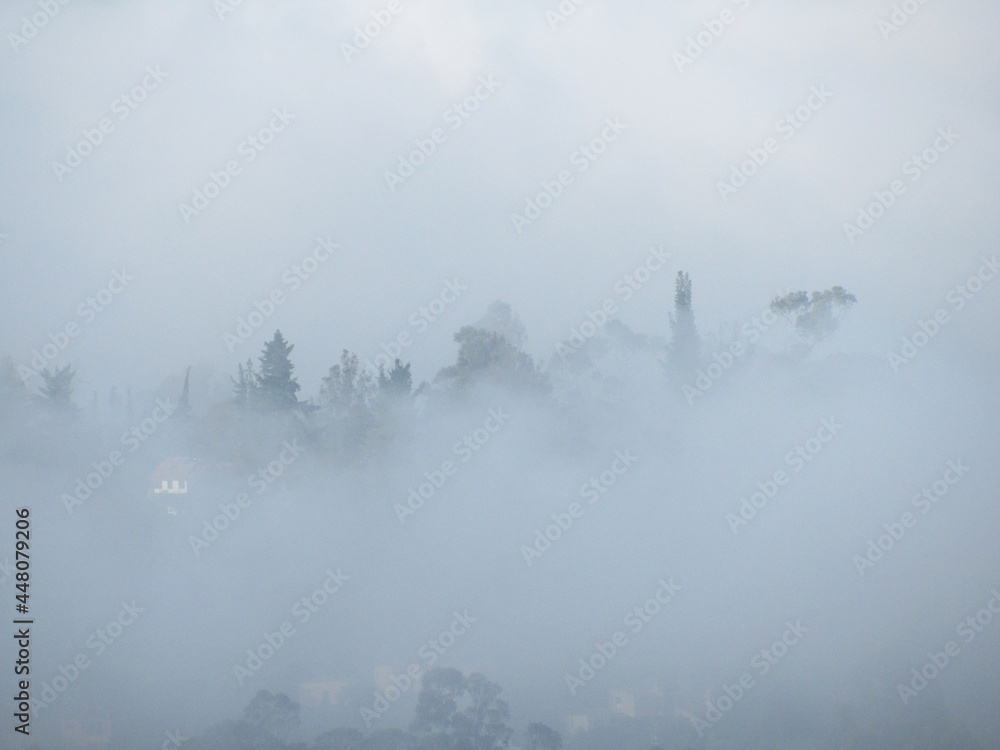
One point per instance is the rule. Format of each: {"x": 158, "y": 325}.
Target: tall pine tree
{"x": 276, "y": 386}
{"x": 684, "y": 350}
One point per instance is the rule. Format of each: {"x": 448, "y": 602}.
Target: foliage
{"x": 346, "y": 396}
{"x": 487, "y": 357}
{"x": 245, "y": 384}
{"x": 275, "y": 714}
{"x": 501, "y": 318}
{"x": 57, "y": 387}
{"x": 397, "y": 383}
{"x": 684, "y": 350}
{"x": 456, "y": 712}
{"x": 55, "y": 394}
{"x": 814, "y": 316}
{"x": 275, "y": 385}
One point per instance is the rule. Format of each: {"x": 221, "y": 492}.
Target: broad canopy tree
{"x": 458, "y": 712}
{"x": 486, "y": 357}
{"x": 814, "y": 316}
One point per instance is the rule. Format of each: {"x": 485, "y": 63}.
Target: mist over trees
{"x": 453, "y": 712}
{"x": 363, "y": 449}
{"x": 357, "y": 413}
{"x": 561, "y": 375}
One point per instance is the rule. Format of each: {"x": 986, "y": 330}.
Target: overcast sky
{"x": 685, "y": 126}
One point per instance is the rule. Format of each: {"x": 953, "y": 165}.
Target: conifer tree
{"x": 684, "y": 350}
{"x": 245, "y": 384}
{"x": 396, "y": 382}
{"x": 56, "y": 392}
{"x": 184, "y": 402}
{"x": 276, "y": 387}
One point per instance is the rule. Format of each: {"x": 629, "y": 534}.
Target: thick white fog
{"x": 467, "y": 376}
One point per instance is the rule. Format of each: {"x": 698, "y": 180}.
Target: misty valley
{"x": 645, "y": 541}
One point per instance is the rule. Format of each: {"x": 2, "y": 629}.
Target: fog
{"x": 499, "y": 375}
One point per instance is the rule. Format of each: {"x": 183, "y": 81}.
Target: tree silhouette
{"x": 276, "y": 386}
{"x": 487, "y": 357}
{"x": 245, "y": 384}
{"x": 397, "y": 382}
{"x": 184, "y": 402}
{"x": 501, "y": 318}
{"x": 55, "y": 394}
{"x": 346, "y": 397}
{"x": 455, "y": 712}
{"x": 276, "y": 714}
{"x": 684, "y": 350}
{"x": 814, "y": 316}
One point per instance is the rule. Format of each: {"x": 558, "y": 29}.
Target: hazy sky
{"x": 685, "y": 126}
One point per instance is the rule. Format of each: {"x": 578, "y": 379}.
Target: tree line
{"x": 359, "y": 411}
